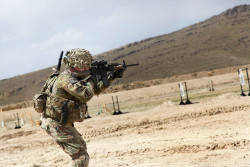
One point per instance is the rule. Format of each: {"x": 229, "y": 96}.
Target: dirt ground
{"x": 214, "y": 131}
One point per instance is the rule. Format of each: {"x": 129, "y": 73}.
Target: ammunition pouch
{"x": 39, "y": 101}
{"x": 64, "y": 114}
{"x": 63, "y": 110}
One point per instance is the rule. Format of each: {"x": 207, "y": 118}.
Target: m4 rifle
{"x": 103, "y": 70}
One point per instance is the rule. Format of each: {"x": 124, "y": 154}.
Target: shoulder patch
{"x": 73, "y": 81}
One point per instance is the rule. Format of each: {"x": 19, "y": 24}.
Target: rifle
{"x": 102, "y": 70}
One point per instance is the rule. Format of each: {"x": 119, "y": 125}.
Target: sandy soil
{"x": 214, "y": 131}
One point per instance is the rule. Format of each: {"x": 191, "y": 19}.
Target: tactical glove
{"x": 119, "y": 73}
{"x": 93, "y": 80}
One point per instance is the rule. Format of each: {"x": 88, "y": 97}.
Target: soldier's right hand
{"x": 93, "y": 80}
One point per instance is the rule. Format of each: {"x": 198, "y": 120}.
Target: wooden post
{"x": 117, "y": 103}
{"x": 241, "y": 87}
{"x": 187, "y": 101}
{"x": 119, "y": 111}
{"x": 211, "y": 85}
{"x": 87, "y": 116}
{"x": 248, "y": 81}
{"x": 182, "y": 94}
{"x": 17, "y": 121}
{"x": 2, "y": 120}
{"x": 114, "y": 113}
{"x": 104, "y": 107}
{"x": 22, "y": 118}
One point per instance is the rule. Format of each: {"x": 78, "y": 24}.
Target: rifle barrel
{"x": 137, "y": 64}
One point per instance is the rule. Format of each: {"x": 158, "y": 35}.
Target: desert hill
{"x": 218, "y": 42}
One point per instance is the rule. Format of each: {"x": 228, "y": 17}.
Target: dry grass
{"x": 143, "y": 98}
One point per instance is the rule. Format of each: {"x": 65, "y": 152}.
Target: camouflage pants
{"x": 70, "y": 141}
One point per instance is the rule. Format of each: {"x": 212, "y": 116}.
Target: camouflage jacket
{"x": 71, "y": 95}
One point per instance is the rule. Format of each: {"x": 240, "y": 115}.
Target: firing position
{"x": 66, "y": 103}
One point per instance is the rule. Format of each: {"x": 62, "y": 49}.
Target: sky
{"x": 34, "y": 32}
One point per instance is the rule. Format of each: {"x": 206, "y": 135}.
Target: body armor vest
{"x": 64, "y": 108}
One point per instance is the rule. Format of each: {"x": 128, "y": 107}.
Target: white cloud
{"x": 33, "y": 32}
{"x": 69, "y": 36}
{"x": 108, "y": 20}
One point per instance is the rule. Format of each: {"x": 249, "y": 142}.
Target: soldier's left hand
{"x": 119, "y": 73}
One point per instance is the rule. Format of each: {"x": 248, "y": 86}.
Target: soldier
{"x": 66, "y": 104}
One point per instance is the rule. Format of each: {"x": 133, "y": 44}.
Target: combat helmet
{"x": 78, "y": 59}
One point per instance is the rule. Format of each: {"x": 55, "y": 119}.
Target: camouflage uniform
{"x": 71, "y": 94}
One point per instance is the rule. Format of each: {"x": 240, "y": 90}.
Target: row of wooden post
{"x": 18, "y": 121}
{"x": 107, "y": 110}
{"x": 211, "y": 88}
